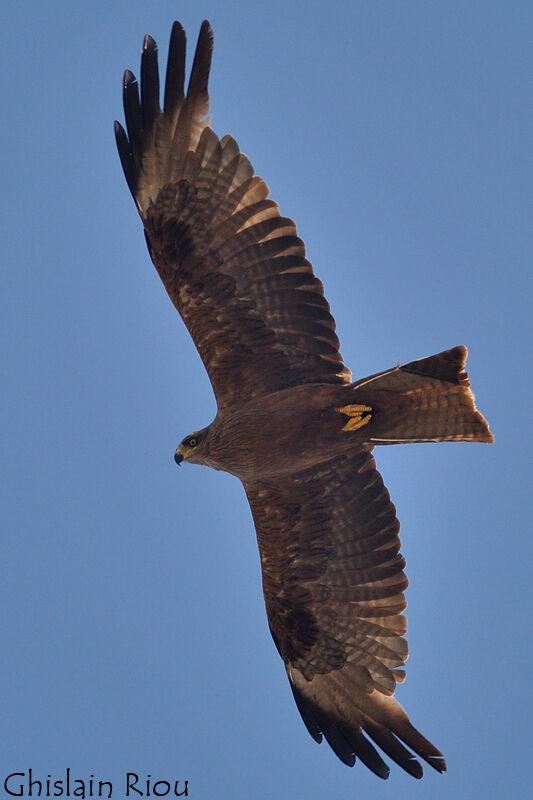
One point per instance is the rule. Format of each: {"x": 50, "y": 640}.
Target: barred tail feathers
{"x": 428, "y": 400}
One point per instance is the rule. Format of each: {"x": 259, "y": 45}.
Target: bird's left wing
{"x": 333, "y": 582}
{"x": 233, "y": 267}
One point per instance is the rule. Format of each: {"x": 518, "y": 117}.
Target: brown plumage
{"x": 291, "y": 424}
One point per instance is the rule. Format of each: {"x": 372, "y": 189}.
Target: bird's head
{"x": 193, "y": 448}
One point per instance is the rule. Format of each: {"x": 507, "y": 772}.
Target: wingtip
{"x": 177, "y": 28}
{"x": 201, "y": 65}
{"x": 128, "y": 79}
{"x": 119, "y": 130}
{"x": 438, "y": 763}
{"x": 149, "y": 43}
{"x": 206, "y": 35}
{"x": 413, "y": 768}
{"x": 126, "y": 155}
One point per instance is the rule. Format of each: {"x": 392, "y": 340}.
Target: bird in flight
{"x": 291, "y": 423}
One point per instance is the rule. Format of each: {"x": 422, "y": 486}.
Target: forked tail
{"x": 428, "y": 400}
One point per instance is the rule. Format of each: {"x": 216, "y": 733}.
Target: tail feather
{"x": 428, "y": 400}
{"x": 446, "y": 366}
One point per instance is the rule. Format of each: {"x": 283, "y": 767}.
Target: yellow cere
{"x": 355, "y": 412}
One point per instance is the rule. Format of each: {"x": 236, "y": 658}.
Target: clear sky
{"x": 398, "y": 136}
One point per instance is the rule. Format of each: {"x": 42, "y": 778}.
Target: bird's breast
{"x": 281, "y": 433}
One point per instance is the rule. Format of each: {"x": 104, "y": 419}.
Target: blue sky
{"x": 397, "y": 135}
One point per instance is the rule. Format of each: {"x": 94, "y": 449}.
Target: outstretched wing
{"x": 333, "y": 582}
{"x": 233, "y": 267}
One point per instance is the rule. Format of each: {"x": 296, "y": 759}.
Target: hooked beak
{"x": 178, "y": 457}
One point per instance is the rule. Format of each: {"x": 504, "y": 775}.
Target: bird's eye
{"x": 192, "y": 442}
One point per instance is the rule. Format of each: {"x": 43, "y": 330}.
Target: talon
{"x": 359, "y": 416}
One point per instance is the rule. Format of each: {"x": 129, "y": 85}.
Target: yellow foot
{"x": 359, "y": 416}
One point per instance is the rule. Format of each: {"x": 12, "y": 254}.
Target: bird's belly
{"x": 283, "y": 434}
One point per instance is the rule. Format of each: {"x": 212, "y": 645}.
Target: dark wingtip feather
{"x": 149, "y": 82}
{"x": 132, "y": 112}
{"x": 392, "y": 746}
{"x": 365, "y": 751}
{"x": 438, "y": 763}
{"x": 126, "y": 156}
{"x": 421, "y": 746}
{"x": 201, "y": 63}
{"x": 206, "y": 27}
{"x": 128, "y": 79}
{"x": 339, "y": 745}
{"x": 142, "y": 109}
{"x": 305, "y": 710}
{"x": 413, "y": 768}
{"x": 175, "y": 77}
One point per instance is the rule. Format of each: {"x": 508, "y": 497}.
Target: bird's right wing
{"x": 333, "y": 582}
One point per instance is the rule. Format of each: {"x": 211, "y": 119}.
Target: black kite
{"x": 290, "y": 424}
